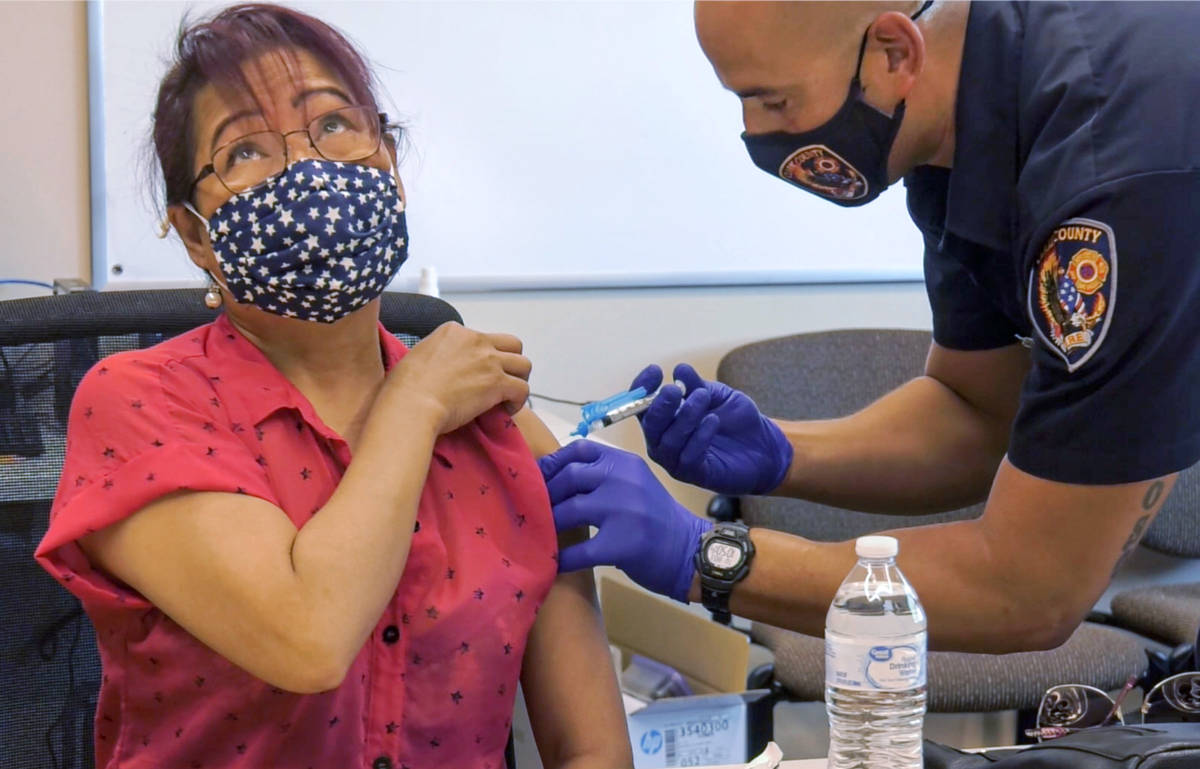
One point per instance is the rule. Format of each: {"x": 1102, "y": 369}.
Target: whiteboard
{"x": 552, "y": 145}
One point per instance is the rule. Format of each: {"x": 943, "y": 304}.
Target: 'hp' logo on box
{"x": 652, "y": 742}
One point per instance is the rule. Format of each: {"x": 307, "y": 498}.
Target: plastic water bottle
{"x": 875, "y": 664}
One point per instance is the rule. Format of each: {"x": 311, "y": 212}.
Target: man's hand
{"x": 716, "y": 439}
{"x": 642, "y": 530}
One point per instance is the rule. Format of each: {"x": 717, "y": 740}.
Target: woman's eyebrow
{"x": 296, "y": 100}
{"x": 314, "y": 91}
{"x": 227, "y": 121}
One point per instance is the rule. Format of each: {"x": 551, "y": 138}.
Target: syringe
{"x": 600, "y": 414}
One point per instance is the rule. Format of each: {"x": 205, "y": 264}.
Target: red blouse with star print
{"x": 435, "y": 683}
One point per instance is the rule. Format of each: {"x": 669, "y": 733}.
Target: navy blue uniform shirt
{"x": 1072, "y": 218}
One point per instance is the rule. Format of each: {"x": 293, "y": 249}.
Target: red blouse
{"x": 432, "y": 687}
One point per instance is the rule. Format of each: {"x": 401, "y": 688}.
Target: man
{"x": 1047, "y": 150}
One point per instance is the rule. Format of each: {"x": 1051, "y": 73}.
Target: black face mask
{"x": 845, "y": 158}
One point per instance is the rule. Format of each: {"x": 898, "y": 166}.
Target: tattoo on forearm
{"x": 1135, "y": 537}
{"x": 1154, "y": 495}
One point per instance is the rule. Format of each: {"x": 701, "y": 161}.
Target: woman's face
{"x": 288, "y": 89}
{"x": 281, "y": 99}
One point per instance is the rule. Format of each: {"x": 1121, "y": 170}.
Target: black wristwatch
{"x": 722, "y": 561}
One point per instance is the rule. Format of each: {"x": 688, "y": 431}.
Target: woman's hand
{"x": 457, "y": 374}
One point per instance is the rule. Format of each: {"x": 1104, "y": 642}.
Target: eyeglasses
{"x": 348, "y": 134}
{"x": 1071, "y": 708}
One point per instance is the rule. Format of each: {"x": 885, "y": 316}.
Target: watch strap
{"x": 717, "y": 602}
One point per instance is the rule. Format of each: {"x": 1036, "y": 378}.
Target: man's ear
{"x": 194, "y": 235}
{"x": 900, "y": 41}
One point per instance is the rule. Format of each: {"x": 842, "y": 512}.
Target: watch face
{"x": 722, "y": 556}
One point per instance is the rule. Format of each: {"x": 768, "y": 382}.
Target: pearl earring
{"x": 212, "y": 297}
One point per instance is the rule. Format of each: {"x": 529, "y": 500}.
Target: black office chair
{"x": 835, "y": 373}
{"x": 49, "y": 666}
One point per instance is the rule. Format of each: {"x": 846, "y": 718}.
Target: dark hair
{"x": 214, "y": 50}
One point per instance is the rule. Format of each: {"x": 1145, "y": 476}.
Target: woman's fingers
{"x": 467, "y": 372}
{"x": 515, "y": 364}
{"x": 505, "y": 342}
{"x": 515, "y": 384}
{"x": 514, "y": 394}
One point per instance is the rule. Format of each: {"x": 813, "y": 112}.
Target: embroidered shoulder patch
{"x": 1073, "y": 289}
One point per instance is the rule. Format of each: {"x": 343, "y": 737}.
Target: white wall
{"x": 43, "y": 144}
{"x": 553, "y": 145}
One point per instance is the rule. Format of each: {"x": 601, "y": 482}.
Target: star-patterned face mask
{"x": 317, "y": 242}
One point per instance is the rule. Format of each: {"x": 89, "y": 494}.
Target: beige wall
{"x": 44, "y": 210}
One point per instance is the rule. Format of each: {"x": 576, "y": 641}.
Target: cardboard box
{"x": 702, "y": 730}
{"x": 723, "y": 723}
{"x": 711, "y": 657}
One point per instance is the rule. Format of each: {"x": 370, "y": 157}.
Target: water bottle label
{"x": 867, "y": 665}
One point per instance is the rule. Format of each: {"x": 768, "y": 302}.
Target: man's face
{"x": 789, "y": 72}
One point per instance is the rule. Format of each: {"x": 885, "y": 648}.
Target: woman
{"x": 301, "y": 544}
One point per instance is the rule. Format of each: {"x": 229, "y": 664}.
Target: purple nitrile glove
{"x": 715, "y": 437}
{"x": 643, "y": 531}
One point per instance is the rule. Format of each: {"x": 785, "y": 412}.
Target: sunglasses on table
{"x": 1070, "y": 708}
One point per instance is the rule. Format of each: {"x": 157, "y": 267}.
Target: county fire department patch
{"x": 1073, "y": 288}
{"x": 823, "y": 171}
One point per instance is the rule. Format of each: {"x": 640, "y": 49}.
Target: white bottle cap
{"x": 428, "y": 282}
{"x": 876, "y": 547}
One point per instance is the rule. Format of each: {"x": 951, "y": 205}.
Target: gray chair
{"x": 1170, "y": 613}
{"x": 835, "y": 373}
{"x": 49, "y": 666}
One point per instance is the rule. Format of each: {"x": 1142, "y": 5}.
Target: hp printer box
{"x": 701, "y": 731}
